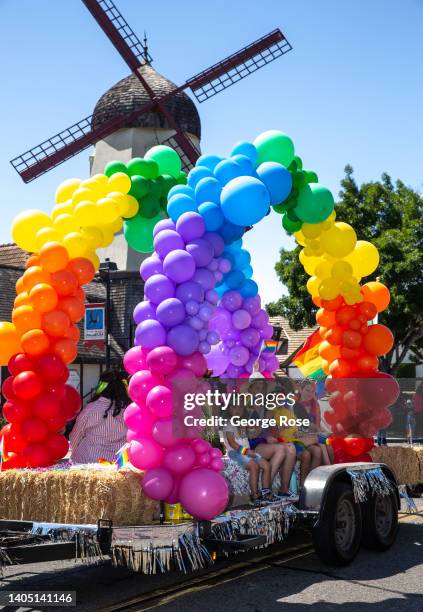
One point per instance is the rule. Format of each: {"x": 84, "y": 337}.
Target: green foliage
{"x": 390, "y": 216}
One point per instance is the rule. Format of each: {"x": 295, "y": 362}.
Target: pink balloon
{"x": 216, "y": 453}
{"x": 157, "y": 483}
{"x": 204, "y": 493}
{"x": 179, "y": 459}
{"x": 204, "y": 459}
{"x": 159, "y": 401}
{"x": 217, "y": 464}
{"x": 140, "y": 384}
{"x": 135, "y": 359}
{"x": 267, "y": 374}
{"x": 131, "y": 435}
{"x": 139, "y": 420}
{"x": 173, "y": 498}
{"x": 195, "y": 362}
{"x": 145, "y": 453}
{"x": 200, "y": 446}
{"x": 163, "y": 433}
{"x": 162, "y": 360}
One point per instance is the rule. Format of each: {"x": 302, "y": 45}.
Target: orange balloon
{"x": 328, "y": 351}
{"x": 349, "y": 353}
{"x": 340, "y": 368}
{"x": 377, "y": 294}
{"x": 9, "y": 342}
{"x": 55, "y": 323}
{"x": 345, "y": 314}
{"x": 53, "y": 257}
{"x": 351, "y": 339}
{"x": 367, "y": 363}
{"x": 72, "y": 333}
{"x": 65, "y": 349}
{"x": 33, "y": 260}
{"x": 25, "y": 318}
{"x": 73, "y": 307}
{"x": 34, "y": 276}
{"x": 333, "y": 304}
{"x": 325, "y": 366}
{"x": 378, "y": 340}
{"x": 65, "y": 282}
{"x": 322, "y": 332}
{"x": 326, "y": 318}
{"x": 334, "y": 334}
{"x": 317, "y": 300}
{"x": 20, "y": 285}
{"x": 83, "y": 269}
{"x": 79, "y": 294}
{"x": 43, "y": 297}
{"x": 21, "y": 300}
{"x": 35, "y": 342}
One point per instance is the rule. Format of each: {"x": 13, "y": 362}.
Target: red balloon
{"x": 83, "y": 269}
{"x": 344, "y": 315}
{"x": 355, "y": 324}
{"x": 19, "y": 363}
{"x": 368, "y": 310}
{"x": 340, "y": 368}
{"x": 57, "y": 446}
{"x": 334, "y": 334}
{"x": 56, "y": 424}
{"x": 367, "y": 363}
{"x": 55, "y": 323}
{"x": 65, "y": 282}
{"x": 45, "y": 407}
{"x": 14, "y": 441}
{"x": 333, "y": 304}
{"x": 349, "y": 353}
{"x": 354, "y": 446}
{"x": 71, "y": 403}
{"x": 27, "y": 385}
{"x": 73, "y": 307}
{"x": 351, "y": 339}
{"x": 57, "y": 389}
{"x": 325, "y": 318}
{"x": 37, "y": 455}
{"x": 51, "y": 368}
{"x": 13, "y": 462}
{"x": 7, "y": 388}
{"x": 65, "y": 349}
{"x": 16, "y": 411}
{"x": 34, "y": 430}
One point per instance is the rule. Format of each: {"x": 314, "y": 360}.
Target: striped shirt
{"x": 94, "y": 437}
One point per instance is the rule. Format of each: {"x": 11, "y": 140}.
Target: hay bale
{"x": 419, "y": 452}
{"x": 403, "y": 461}
{"x": 75, "y": 496}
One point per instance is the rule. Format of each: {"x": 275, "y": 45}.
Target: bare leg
{"x": 316, "y": 456}
{"x": 287, "y": 467}
{"x": 305, "y": 463}
{"x": 253, "y": 471}
{"x": 265, "y": 475}
{"x": 275, "y": 454}
{"x": 325, "y": 455}
{"x": 331, "y": 454}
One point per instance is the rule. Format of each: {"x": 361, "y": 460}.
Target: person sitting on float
{"x": 99, "y": 430}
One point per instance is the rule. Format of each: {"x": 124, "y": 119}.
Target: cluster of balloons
{"x": 351, "y": 448}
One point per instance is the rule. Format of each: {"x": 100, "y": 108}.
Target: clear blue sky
{"x": 349, "y": 92}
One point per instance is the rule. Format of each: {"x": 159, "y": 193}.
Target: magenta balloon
{"x": 204, "y": 493}
{"x": 252, "y": 305}
{"x": 171, "y": 312}
{"x": 162, "y": 360}
{"x": 157, "y": 483}
{"x": 181, "y": 374}
{"x": 179, "y": 459}
{"x": 158, "y": 288}
{"x": 241, "y": 319}
{"x": 232, "y": 300}
{"x": 249, "y": 337}
{"x": 216, "y": 453}
{"x": 166, "y": 241}
{"x": 144, "y": 310}
{"x": 195, "y": 362}
{"x": 201, "y": 446}
{"x": 190, "y": 226}
{"x": 150, "y": 334}
{"x": 217, "y": 464}
{"x": 190, "y": 291}
{"x": 139, "y": 420}
{"x": 159, "y": 401}
{"x": 183, "y": 339}
{"x": 131, "y": 435}
{"x": 145, "y": 453}
{"x": 173, "y": 498}
{"x": 217, "y": 361}
{"x": 216, "y": 241}
{"x": 135, "y": 359}
{"x": 162, "y": 225}
{"x": 179, "y": 266}
{"x": 151, "y": 265}
{"x": 140, "y": 384}
{"x": 163, "y": 433}
{"x": 205, "y": 278}
{"x": 204, "y": 460}
{"x": 201, "y": 250}
{"x": 239, "y": 355}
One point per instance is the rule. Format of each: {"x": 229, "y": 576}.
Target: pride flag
{"x": 122, "y": 457}
{"x": 270, "y": 346}
{"x": 308, "y": 360}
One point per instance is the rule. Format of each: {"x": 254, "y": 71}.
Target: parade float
{"x": 200, "y": 311}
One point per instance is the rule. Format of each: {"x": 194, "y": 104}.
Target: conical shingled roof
{"x": 128, "y": 95}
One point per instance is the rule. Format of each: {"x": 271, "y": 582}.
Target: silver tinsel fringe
{"x": 369, "y": 482}
{"x": 85, "y": 537}
{"x": 410, "y": 506}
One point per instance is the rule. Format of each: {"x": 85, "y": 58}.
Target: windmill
{"x": 204, "y": 85}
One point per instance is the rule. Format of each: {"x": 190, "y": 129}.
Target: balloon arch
{"x": 201, "y": 308}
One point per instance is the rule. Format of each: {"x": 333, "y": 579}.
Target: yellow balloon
{"x": 323, "y": 269}
{"x": 86, "y": 212}
{"x": 82, "y": 194}
{"x": 65, "y": 224}
{"x": 339, "y": 240}
{"x": 327, "y": 223}
{"x": 47, "y": 234}
{"x": 9, "y": 342}
{"x": 132, "y": 207}
{"x": 119, "y": 182}
{"x": 107, "y": 209}
{"x": 93, "y": 235}
{"x": 122, "y": 201}
{"x": 108, "y": 235}
{"x": 300, "y": 238}
{"x": 311, "y": 230}
{"x": 309, "y": 263}
{"x": 102, "y": 180}
{"x": 66, "y": 189}
{"x": 117, "y": 225}
{"x": 26, "y": 225}
{"x": 313, "y": 284}
{"x": 364, "y": 258}
{"x": 75, "y": 244}
{"x": 342, "y": 270}
{"x": 65, "y": 208}
{"x": 93, "y": 257}
{"x": 329, "y": 288}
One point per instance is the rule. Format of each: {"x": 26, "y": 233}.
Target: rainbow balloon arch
{"x": 201, "y": 308}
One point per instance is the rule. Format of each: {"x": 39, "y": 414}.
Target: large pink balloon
{"x": 140, "y": 384}
{"x": 145, "y": 453}
{"x": 135, "y": 359}
{"x": 159, "y": 401}
{"x": 158, "y": 483}
{"x": 204, "y": 493}
{"x": 179, "y": 459}
{"x": 139, "y": 420}
{"x": 163, "y": 433}
{"x": 195, "y": 362}
{"x": 162, "y": 360}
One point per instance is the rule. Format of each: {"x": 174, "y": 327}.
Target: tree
{"x": 390, "y": 217}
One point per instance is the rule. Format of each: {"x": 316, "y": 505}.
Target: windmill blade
{"x": 239, "y": 65}
{"x": 188, "y": 160}
{"x": 118, "y": 31}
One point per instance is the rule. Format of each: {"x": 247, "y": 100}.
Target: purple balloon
{"x": 213, "y": 265}
{"x": 190, "y": 226}
{"x": 250, "y": 337}
{"x": 216, "y": 241}
{"x": 221, "y": 321}
{"x": 225, "y": 265}
{"x": 179, "y": 266}
{"x": 151, "y": 265}
{"x": 201, "y": 250}
{"x": 241, "y": 319}
{"x": 190, "y": 291}
{"x": 267, "y": 332}
{"x": 171, "y": 312}
{"x": 234, "y": 371}
{"x": 232, "y": 300}
{"x": 144, "y": 310}
{"x": 202, "y": 334}
{"x": 205, "y": 312}
{"x": 260, "y": 320}
{"x": 162, "y": 225}
{"x": 150, "y": 334}
{"x": 212, "y": 296}
{"x": 204, "y": 347}
{"x": 204, "y": 493}
{"x": 158, "y": 483}
{"x": 252, "y": 305}
{"x": 196, "y": 323}
{"x": 212, "y": 337}
{"x": 239, "y": 355}
{"x": 192, "y": 307}
{"x": 205, "y": 278}
{"x": 218, "y": 276}
{"x": 272, "y": 364}
{"x": 183, "y": 339}
{"x": 167, "y": 241}
{"x": 158, "y": 288}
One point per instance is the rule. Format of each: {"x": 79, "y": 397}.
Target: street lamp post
{"x": 106, "y": 267}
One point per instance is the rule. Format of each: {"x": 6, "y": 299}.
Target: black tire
{"x": 337, "y": 536}
{"x": 380, "y": 522}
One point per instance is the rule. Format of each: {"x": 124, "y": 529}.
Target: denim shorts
{"x": 242, "y": 460}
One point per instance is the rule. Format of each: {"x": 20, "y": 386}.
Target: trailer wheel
{"x": 380, "y": 522}
{"x": 337, "y": 536}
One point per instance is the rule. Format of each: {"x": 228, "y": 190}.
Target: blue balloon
{"x": 180, "y": 204}
{"x": 277, "y": 179}
{"x": 212, "y": 215}
{"x": 227, "y": 170}
{"x": 209, "y": 161}
{"x": 242, "y": 258}
{"x": 245, "y": 200}
{"x": 196, "y": 174}
{"x": 186, "y": 189}
{"x": 208, "y": 190}
{"x": 246, "y": 164}
{"x": 235, "y": 246}
{"x": 247, "y": 149}
{"x": 249, "y": 288}
{"x": 221, "y": 289}
{"x": 231, "y": 232}
{"x": 248, "y": 271}
{"x": 235, "y": 279}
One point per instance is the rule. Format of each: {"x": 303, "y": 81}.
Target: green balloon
{"x": 154, "y": 188}
{"x": 149, "y": 206}
{"x": 182, "y": 178}
{"x": 274, "y": 146}
{"x": 167, "y": 183}
{"x": 299, "y": 179}
{"x": 166, "y": 158}
{"x": 315, "y": 203}
{"x": 139, "y": 186}
{"x": 311, "y": 176}
{"x": 292, "y": 215}
{"x": 290, "y": 226}
{"x": 143, "y": 167}
{"x": 135, "y": 166}
{"x": 138, "y": 233}
{"x": 299, "y": 162}
{"x": 115, "y": 166}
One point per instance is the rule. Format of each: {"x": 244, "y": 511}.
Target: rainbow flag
{"x": 3, "y": 457}
{"x": 308, "y": 360}
{"x": 270, "y": 346}
{"x": 122, "y": 457}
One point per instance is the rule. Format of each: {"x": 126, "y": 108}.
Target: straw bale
{"x": 75, "y": 496}
{"x": 403, "y": 460}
